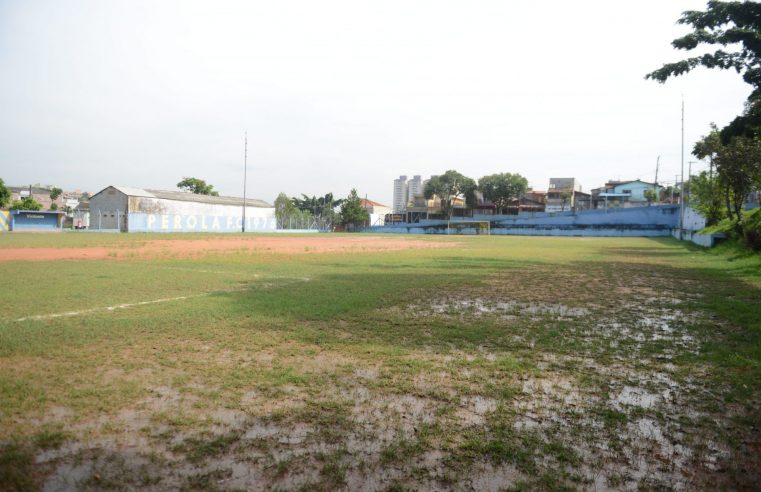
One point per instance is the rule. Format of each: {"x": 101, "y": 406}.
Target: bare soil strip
{"x": 184, "y": 248}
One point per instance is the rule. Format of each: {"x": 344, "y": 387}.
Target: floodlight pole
{"x": 245, "y": 169}
{"x": 681, "y": 195}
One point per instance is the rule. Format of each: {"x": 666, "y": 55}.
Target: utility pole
{"x": 655, "y": 185}
{"x": 681, "y": 195}
{"x": 689, "y": 180}
{"x": 245, "y": 169}
{"x": 673, "y": 190}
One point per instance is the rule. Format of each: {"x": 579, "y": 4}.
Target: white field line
{"x": 141, "y": 303}
{"x": 109, "y": 308}
{"x": 219, "y": 272}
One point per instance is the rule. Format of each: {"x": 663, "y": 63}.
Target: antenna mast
{"x": 245, "y": 169}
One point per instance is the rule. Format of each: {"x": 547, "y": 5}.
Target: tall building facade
{"x": 415, "y": 188}
{"x": 401, "y": 194}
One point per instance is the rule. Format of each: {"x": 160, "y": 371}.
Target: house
{"x": 622, "y": 194}
{"x": 377, "y": 211}
{"x": 39, "y": 193}
{"x": 563, "y": 195}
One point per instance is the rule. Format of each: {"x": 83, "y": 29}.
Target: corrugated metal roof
{"x": 134, "y": 191}
{"x": 185, "y": 196}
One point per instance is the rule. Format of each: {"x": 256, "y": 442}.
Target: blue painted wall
{"x": 24, "y": 220}
{"x": 142, "y": 222}
{"x": 641, "y": 221}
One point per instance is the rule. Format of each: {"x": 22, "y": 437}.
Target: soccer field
{"x": 364, "y": 362}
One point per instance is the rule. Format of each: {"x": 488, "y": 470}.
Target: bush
{"x": 752, "y": 230}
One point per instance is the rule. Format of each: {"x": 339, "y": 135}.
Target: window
{"x": 626, "y": 192}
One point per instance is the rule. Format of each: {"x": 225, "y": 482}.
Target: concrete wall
{"x": 161, "y": 215}
{"x": 5, "y": 221}
{"x": 25, "y": 220}
{"x": 642, "y": 221}
{"x": 705, "y": 240}
{"x": 693, "y": 221}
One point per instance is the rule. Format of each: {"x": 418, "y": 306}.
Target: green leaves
{"x": 352, "y": 212}
{"x": 502, "y": 188}
{"x": 197, "y": 186}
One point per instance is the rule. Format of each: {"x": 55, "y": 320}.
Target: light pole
{"x": 245, "y": 169}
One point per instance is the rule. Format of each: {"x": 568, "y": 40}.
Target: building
{"x": 415, "y": 188}
{"x": 33, "y": 220}
{"x": 401, "y": 194}
{"x": 140, "y": 210}
{"x": 407, "y": 192}
{"x": 40, "y": 194}
{"x": 563, "y": 195}
{"x": 377, "y": 211}
{"x": 622, "y": 194}
{"x": 80, "y": 216}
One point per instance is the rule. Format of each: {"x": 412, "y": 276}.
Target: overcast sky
{"x": 342, "y": 94}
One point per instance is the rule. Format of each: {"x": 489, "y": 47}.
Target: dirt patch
{"x": 187, "y": 248}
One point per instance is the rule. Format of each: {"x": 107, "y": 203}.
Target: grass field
{"x": 485, "y": 363}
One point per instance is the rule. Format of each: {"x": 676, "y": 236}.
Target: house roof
{"x": 619, "y": 183}
{"x": 185, "y": 196}
{"x": 369, "y": 203}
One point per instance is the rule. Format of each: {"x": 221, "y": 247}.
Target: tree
{"x": 53, "y": 206}
{"x": 352, "y": 211}
{"x": 26, "y": 203}
{"x": 650, "y": 195}
{"x": 733, "y": 24}
{"x": 706, "y": 188}
{"x": 565, "y": 197}
{"x": 450, "y": 186}
{"x": 738, "y": 165}
{"x": 55, "y": 193}
{"x": 706, "y": 197}
{"x": 322, "y": 207}
{"x": 501, "y": 189}
{"x": 284, "y": 210}
{"x": 5, "y": 194}
{"x": 197, "y": 186}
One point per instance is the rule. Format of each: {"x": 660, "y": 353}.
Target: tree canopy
{"x": 450, "y": 186}
{"x": 5, "y": 194}
{"x": 352, "y": 212}
{"x": 26, "y": 203}
{"x": 502, "y": 188}
{"x": 319, "y": 206}
{"x": 55, "y": 193}
{"x": 197, "y": 186}
{"x": 733, "y": 25}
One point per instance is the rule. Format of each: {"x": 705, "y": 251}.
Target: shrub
{"x": 752, "y": 230}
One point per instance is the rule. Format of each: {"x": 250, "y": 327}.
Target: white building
{"x": 139, "y": 210}
{"x": 415, "y": 188}
{"x": 401, "y": 194}
{"x": 407, "y": 191}
{"x": 377, "y": 211}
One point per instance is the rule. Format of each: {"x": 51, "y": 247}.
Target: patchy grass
{"x": 498, "y": 363}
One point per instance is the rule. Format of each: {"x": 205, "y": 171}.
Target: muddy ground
{"x": 582, "y": 377}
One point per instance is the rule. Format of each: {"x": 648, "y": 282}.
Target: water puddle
{"x": 506, "y": 309}
{"x": 636, "y": 397}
